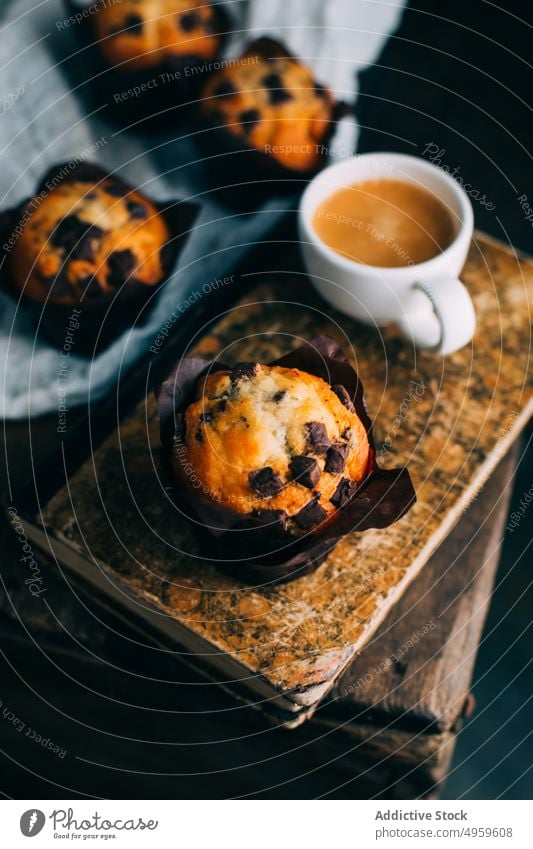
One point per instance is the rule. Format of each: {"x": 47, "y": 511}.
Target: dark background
{"x": 458, "y": 75}
{"x": 455, "y": 75}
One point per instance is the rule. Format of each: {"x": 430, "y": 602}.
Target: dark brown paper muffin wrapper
{"x": 104, "y": 318}
{"x": 238, "y": 543}
{"x": 243, "y": 175}
{"x": 169, "y": 103}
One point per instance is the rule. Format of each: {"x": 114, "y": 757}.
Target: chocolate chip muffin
{"x": 271, "y": 102}
{"x": 141, "y": 34}
{"x": 278, "y": 445}
{"x": 87, "y": 237}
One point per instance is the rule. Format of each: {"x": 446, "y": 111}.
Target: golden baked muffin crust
{"x": 144, "y": 33}
{"x": 87, "y": 239}
{"x": 274, "y": 105}
{"x": 273, "y": 443}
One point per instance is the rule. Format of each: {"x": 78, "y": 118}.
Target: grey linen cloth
{"x": 43, "y": 122}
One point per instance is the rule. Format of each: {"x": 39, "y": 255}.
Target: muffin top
{"x": 277, "y": 444}
{"x": 272, "y": 104}
{"x": 87, "y": 238}
{"x": 145, "y": 33}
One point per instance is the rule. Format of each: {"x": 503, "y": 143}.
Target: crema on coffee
{"x": 384, "y": 222}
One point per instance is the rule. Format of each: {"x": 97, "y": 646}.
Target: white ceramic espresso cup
{"x": 426, "y": 300}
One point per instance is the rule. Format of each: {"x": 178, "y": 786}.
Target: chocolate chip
{"x": 343, "y": 493}
{"x": 343, "y": 396}
{"x": 310, "y": 515}
{"x": 318, "y": 441}
{"x": 222, "y": 405}
{"x": 207, "y": 417}
{"x": 305, "y": 470}
{"x": 199, "y": 436}
{"x": 120, "y": 265}
{"x": 136, "y": 209}
{"x": 225, "y": 89}
{"x": 243, "y": 370}
{"x": 249, "y": 118}
{"x": 320, "y": 90}
{"x": 76, "y": 237}
{"x": 277, "y": 92}
{"x": 347, "y": 434}
{"x": 84, "y": 249}
{"x": 133, "y": 24}
{"x": 273, "y": 81}
{"x": 277, "y": 518}
{"x": 279, "y": 95}
{"x": 279, "y": 396}
{"x": 266, "y": 482}
{"x": 189, "y": 21}
{"x": 336, "y": 458}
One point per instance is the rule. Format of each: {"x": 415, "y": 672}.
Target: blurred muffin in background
{"x": 88, "y": 243}
{"x": 141, "y": 34}
{"x": 87, "y": 238}
{"x": 271, "y": 101}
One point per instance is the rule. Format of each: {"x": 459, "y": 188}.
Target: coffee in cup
{"x": 384, "y": 222}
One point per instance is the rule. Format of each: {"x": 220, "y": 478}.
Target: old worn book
{"x": 388, "y": 726}
{"x": 450, "y": 420}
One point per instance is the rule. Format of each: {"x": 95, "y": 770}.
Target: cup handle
{"x": 438, "y": 315}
